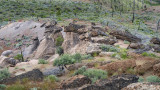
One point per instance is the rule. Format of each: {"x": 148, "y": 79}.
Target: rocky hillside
{"x": 79, "y": 45}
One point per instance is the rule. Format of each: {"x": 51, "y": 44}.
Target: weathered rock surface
{"x": 76, "y": 81}
{"x": 58, "y": 71}
{"x": 5, "y": 62}
{"x": 155, "y": 41}
{"x": 7, "y": 53}
{"x": 103, "y": 40}
{"x": 93, "y": 48}
{"x": 34, "y": 75}
{"x": 136, "y": 46}
{"x": 113, "y": 83}
{"x": 143, "y": 86}
{"x": 156, "y": 69}
{"x": 124, "y": 35}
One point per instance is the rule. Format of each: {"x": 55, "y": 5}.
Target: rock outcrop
{"x": 76, "y": 81}
{"x": 143, "y": 86}
{"x": 58, "y": 71}
{"x": 7, "y": 53}
{"x": 34, "y": 75}
{"x": 125, "y": 35}
{"x": 113, "y": 83}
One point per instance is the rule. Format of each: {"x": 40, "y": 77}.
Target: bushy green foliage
{"x": 60, "y": 50}
{"x": 42, "y": 61}
{"x": 4, "y": 74}
{"x": 87, "y": 56}
{"x": 19, "y": 57}
{"x": 153, "y": 79}
{"x": 77, "y": 57}
{"x": 80, "y": 70}
{"x": 59, "y": 41}
{"x": 109, "y": 48}
{"x": 93, "y": 74}
{"x": 141, "y": 79}
{"x": 126, "y": 42}
{"x": 52, "y": 78}
{"x": 149, "y": 54}
{"x": 2, "y": 87}
{"x": 122, "y": 54}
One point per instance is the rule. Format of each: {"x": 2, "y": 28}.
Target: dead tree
{"x": 158, "y": 24}
{"x": 133, "y": 11}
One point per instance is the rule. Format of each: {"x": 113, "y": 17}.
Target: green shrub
{"x": 59, "y": 50}
{"x": 122, "y": 54}
{"x": 2, "y": 87}
{"x": 42, "y": 61}
{"x": 80, "y": 70}
{"x": 126, "y": 42}
{"x": 67, "y": 59}
{"x": 59, "y": 41}
{"x": 77, "y": 57}
{"x": 4, "y": 74}
{"x": 153, "y": 79}
{"x": 88, "y": 56}
{"x": 109, "y": 48}
{"x": 19, "y": 57}
{"x": 149, "y": 54}
{"x": 52, "y": 78}
{"x": 141, "y": 79}
{"x": 93, "y": 74}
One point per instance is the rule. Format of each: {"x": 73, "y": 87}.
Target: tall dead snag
{"x": 133, "y": 11}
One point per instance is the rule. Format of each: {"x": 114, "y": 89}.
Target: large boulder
{"x": 34, "y": 75}
{"x": 46, "y": 49}
{"x": 155, "y": 41}
{"x": 143, "y": 86}
{"x": 136, "y": 46}
{"x": 75, "y": 28}
{"x": 6, "y": 53}
{"x": 113, "y": 83}
{"x": 125, "y": 35}
{"x": 93, "y": 48}
{"x": 6, "y": 62}
{"x": 156, "y": 69}
{"x": 75, "y": 81}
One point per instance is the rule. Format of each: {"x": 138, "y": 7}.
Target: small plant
{"x": 19, "y": 57}
{"x": 89, "y": 56}
{"x": 141, "y": 79}
{"x": 67, "y": 59}
{"x": 131, "y": 71}
{"x": 109, "y": 48}
{"x": 59, "y": 50}
{"x": 153, "y": 79}
{"x": 52, "y": 78}
{"x": 80, "y": 70}
{"x": 149, "y": 54}
{"x": 126, "y": 42}
{"x": 122, "y": 54}
{"x": 77, "y": 57}
{"x": 4, "y": 74}
{"x": 93, "y": 74}
{"x": 42, "y": 61}
{"x": 2, "y": 87}
{"x": 59, "y": 41}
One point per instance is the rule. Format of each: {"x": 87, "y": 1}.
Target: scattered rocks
{"x": 143, "y": 86}
{"x": 75, "y": 81}
{"x": 34, "y": 75}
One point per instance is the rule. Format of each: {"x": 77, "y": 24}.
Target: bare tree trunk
{"x": 158, "y": 25}
{"x": 133, "y": 11}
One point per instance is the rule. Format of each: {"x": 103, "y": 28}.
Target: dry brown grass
{"x": 120, "y": 66}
